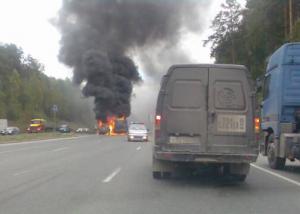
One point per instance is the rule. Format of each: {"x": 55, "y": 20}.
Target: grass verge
{"x": 34, "y": 136}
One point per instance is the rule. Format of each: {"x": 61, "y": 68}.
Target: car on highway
{"x": 3, "y": 131}
{"x": 103, "y": 130}
{"x": 205, "y": 116}
{"x": 37, "y": 126}
{"x": 82, "y": 130}
{"x": 137, "y": 132}
{"x": 12, "y": 130}
{"x": 64, "y": 128}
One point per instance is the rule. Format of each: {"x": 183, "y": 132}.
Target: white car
{"x": 137, "y": 132}
{"x": 10, "y": 131}
{"x": 82, "y": 130}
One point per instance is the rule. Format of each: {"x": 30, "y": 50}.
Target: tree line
{"x": 249, "y": 35}
{"x": 26, "y": 92}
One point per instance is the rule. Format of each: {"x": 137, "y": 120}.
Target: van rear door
{"x": 185, "y": 109}
{"x": 230, "y": 111}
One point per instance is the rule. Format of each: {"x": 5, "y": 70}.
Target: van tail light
{"x": 157, "y": 121}
{"x": 157, "y": 125}
{"x": 257, "y": 125}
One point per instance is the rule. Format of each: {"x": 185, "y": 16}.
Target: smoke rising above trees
{"x": 98, "y": 37}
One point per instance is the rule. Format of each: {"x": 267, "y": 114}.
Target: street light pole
{"x": 54, "y": 110}
{"x": 54, "y": 118}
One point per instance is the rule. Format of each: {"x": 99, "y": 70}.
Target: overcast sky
{"x": 26, "y": 24}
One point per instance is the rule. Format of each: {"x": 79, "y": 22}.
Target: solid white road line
{"x": 39, "y": 141}
{"x": 22, "y": 172}
{"x": 276, "y": 175}
{"x": 112, "y": 175}
{"x": 16, "y": 150}
{"x": 138, "y": 148}
{"x": 24, "y": 149}
{"x": 59, "y": 149}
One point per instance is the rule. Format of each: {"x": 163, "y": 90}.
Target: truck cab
{"x": 205, "y": 115}
{"x": 280, "y": 108}
{"x": 36, "y": 126}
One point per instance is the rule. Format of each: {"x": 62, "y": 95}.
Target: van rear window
{"x": 229, "y": 95}
{"x": 187, "y": 94}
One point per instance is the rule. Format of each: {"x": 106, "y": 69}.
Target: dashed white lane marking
{"x": 60, "y": 149}
{"x": 15, "y": 150}
{"x": 112, "y": 175}
{"x": 276, "y": 175}
{"x": 22, "y": 172}
{"x": 138, "y": 148}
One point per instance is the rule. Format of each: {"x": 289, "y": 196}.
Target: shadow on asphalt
{"x": 292, "y": 169}
{"x": 203, "y": 178}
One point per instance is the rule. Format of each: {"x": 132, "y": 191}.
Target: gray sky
{"x": 26, "y": 24}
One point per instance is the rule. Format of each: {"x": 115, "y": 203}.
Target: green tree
{"x": 251, "y": 36}
{"x": 225, "y": 25}
{"x": 26, "y": 92}
{"x": 13, "y": 91}
{"x": 264, "y": 23}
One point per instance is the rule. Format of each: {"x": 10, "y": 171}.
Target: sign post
{"x": 54, "y": 110}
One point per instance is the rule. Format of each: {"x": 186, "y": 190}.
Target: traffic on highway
{"x": 145, "y": 106}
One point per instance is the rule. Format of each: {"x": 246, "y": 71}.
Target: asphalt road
{"x": 95, "y": 174}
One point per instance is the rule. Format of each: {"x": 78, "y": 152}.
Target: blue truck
{"x": 280, "y": 108}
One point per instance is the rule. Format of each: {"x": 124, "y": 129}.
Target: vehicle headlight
{"x": 131, "y": 136}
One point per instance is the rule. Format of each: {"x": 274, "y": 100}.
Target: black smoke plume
{"x": 98, "y": 37}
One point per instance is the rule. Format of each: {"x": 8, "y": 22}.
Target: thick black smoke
{"x": 98, "y": 35}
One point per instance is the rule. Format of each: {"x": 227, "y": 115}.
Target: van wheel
{"x": 162, "y": 169}
{"x": 156, "y": 175}
{"x": 274, "y": 162}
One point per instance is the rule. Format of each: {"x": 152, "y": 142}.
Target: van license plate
{"x": 184, "y": 140}
{"x": 231, "y": 123}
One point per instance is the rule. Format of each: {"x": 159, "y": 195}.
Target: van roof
{"x": 232, "y": 66}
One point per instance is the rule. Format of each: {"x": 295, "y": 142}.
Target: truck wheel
{"x": 274, "y": 162}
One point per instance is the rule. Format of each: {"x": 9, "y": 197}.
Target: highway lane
{"x": 96, "y": 174}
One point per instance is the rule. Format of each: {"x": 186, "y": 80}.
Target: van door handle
{"x": 212, "y": 115}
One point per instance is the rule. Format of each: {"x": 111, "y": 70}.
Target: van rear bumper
{"x": 204, "y": 157}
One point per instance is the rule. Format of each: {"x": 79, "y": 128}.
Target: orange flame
{"x": 111, "y": 124}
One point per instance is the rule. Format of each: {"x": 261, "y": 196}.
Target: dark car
{"x": 103, "y": 130}
{"x": 64, "y": 128}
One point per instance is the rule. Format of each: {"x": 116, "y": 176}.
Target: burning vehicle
{"x": 113, "y": 126}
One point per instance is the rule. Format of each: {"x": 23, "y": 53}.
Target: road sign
{"x": 55, "y": 108}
